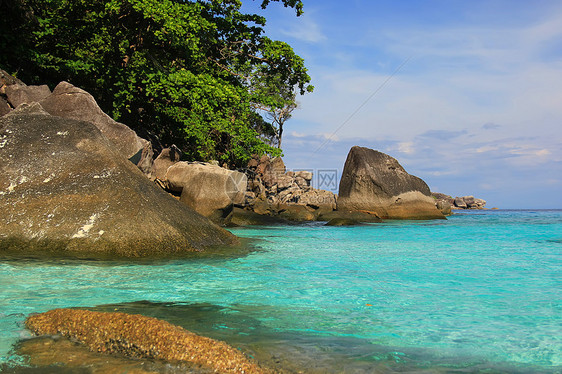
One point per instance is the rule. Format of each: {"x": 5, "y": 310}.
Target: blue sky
{"x": 474, "y": 108}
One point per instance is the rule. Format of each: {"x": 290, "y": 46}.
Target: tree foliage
{"x": 195, "y": 73}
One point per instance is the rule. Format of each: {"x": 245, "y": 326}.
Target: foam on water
{"x": 479, "y": 291}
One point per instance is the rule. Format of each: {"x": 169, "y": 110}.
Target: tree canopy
{"x": 199, "y": 74}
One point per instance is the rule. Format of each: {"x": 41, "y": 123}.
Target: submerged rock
{"x": 65, "y": 188}
{"x": 296, "y": 212}
{"x": 141, "y": 337}
{"x": 361, "y": 216}
{"x": 247, "y": 217}
{"x": 376, "y": 182}
{"x": 57, "y": 355}
{"x": 342, "y": 222}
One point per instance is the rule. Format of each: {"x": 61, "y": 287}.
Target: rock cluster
{"x": 141, "y": 337}
{"x": 464, "y": 202}
{"x": 68, "y": 101}
{"x": 274, "y": 191}
{"x": 67, "y": 188}
{"x": 373, "y": 184}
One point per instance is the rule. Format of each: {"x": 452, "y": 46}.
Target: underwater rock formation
{"x": 142, "y": 337}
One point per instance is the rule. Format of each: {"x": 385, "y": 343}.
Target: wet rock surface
{"x": 53, "y": 354}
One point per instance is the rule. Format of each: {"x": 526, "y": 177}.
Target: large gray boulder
{"x": 68, "y": 101}
{"x": 374, "y": 181}
{"x": 64, "y": 188}
{"x": 208, "y": 189}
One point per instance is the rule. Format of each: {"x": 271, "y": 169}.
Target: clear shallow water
{"x": 481, "y": 291}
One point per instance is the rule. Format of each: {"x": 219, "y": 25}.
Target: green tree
{"x": 195, "y": 73}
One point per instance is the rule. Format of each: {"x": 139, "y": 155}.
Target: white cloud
{"x": 487, "y": 148}
{"x": 406, "y": 147}
{"x": 487, "y": 186}
{"x": 298, "y": 134}
{"x": 304, "y": 28}
{"x": 543, "y": 152}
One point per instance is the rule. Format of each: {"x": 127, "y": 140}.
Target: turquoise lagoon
{"x": 479, "y": 292}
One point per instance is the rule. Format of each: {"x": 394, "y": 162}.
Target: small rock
{"x": 165, "y": 159}
{"x": 284, "y": 182}
{"x": 253, "y": 163}
{"x": 460, "y": 203}
{"x": 444, "y": 206}
{"x": 4, "y": 107}
{"x": 301, "y": 182}
{"x": 342, "y": 222}
{"x": 306, "y": 175}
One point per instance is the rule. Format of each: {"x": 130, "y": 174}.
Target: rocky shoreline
{"x": 78, "y": 182}
{"x": 373, "y": 187}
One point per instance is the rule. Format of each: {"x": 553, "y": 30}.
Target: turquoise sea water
{"x": 479, "y": 292}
